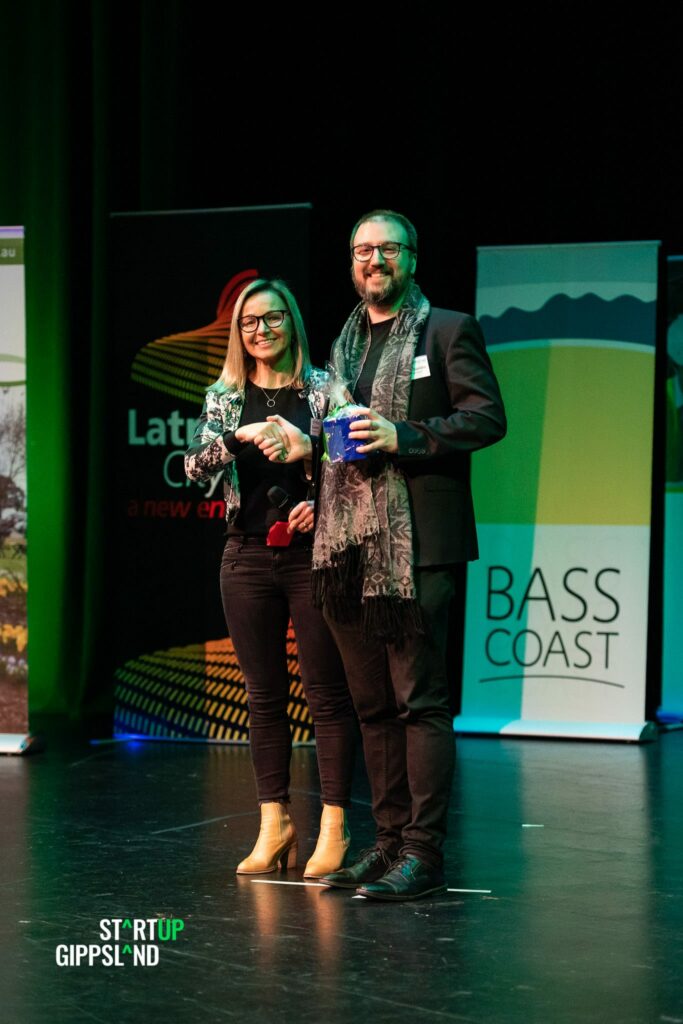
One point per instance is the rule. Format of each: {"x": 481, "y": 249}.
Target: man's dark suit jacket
{"x": 454, "y": 411}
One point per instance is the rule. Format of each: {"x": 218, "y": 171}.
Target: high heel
{"x": 276, "y": 844}
{"x": 333, "y": 842}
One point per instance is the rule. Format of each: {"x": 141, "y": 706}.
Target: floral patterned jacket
{"x": 222, "y": 411}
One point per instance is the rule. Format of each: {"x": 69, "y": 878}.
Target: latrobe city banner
{"x": 175, "y": 280}
{"x": 672, "y": 659}
{"x": 13, "y": 629}
{"x": 557, "y": 605}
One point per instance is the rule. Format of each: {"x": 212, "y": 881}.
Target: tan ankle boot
{"x": 333, "y": 842}
{"x": 276, "y": 843}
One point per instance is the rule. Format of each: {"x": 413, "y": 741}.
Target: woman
{"x": 254, "y": 429}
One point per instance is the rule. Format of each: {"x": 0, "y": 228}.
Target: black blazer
{"x": 454, "y": 411}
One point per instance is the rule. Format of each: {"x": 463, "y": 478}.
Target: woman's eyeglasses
{"x": 273, "y": 318}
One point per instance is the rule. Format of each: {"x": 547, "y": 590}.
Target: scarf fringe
{"x": 338, "y": 588}
{"x": 390, "y": 619}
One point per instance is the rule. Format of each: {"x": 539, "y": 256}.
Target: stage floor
{"x": 564, "y": 862}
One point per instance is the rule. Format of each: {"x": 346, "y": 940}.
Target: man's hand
{"x": 301, "y": 517}
{"x": 380, "y": 433}
{"x": 269, "y": 437}
{"x": 297, "y": 444}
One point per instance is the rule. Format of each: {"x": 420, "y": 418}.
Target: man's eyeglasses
{"x": 390, "y": 251}
{"x": 273, "y": 318}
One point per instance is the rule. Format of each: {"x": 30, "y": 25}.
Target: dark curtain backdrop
{"x": 484, "y": 127}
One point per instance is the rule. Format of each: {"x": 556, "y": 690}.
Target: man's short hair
{"x": 407, "y": 225}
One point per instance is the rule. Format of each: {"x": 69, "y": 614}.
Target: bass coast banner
{"x": 176, "y": 277}
{"x": 13, "y": 585}
{"x": 672, "y": 660}
{"x": 557, "y": 605}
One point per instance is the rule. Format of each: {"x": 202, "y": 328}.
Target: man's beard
{"x": 393, "y": 289}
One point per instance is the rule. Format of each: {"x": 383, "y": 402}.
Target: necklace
{"x": 270, "y": 400}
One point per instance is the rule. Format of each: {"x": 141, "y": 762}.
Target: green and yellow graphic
{"x": 557, "y": 609}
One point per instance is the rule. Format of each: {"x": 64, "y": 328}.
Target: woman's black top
{"x": 255, "y": 472}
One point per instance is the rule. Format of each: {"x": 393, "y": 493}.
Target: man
{"x": 390, "y": 530}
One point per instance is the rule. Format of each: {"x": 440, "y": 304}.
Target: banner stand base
{"x": 20, "y": 743}
{"x": 625, "y": 732}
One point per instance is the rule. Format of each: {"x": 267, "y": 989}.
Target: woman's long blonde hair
{"x": 238, "y": 362}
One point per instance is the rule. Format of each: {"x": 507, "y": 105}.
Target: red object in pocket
{"x": 279, "y": 535}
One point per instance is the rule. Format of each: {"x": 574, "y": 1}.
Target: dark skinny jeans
{"x": 262, "y": 588}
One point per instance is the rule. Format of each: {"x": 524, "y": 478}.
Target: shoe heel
{"x": 288, "y": 859}
{"x": 276, "y": 838}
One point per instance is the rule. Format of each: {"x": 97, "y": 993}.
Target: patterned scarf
{"x": 363, "y": 550}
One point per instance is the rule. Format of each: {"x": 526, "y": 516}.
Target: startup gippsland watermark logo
{"x": 124, "y": 942}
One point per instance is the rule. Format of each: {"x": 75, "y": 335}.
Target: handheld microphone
{"x": 283, "y": 502}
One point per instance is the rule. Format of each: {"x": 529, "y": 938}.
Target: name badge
{"x": 420, "y": 368}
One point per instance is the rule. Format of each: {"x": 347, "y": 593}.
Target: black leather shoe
{"x": 408, "y": 878}
{"x": 371, "y": 865}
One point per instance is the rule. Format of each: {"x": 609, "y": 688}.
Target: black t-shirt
{"x": 378, "y": 335}
{"x": 255, "y": 473}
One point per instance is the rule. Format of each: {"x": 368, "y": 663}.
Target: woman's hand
{"x": 269, "y": 437}
{"x": 379, "y": 434}
{"x": 301, "y": 517}
{"x": 297, "y": 444}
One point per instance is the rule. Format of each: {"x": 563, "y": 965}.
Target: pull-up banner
{"x": 175, "y": 279}
{"x": 13, "y": 631}
{"x": 557, "y": 606}
{"x": 672, "y": 635}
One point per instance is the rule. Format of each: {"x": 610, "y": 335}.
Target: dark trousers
{"x": 401, "y": 698}
{"x": 262, "y": 588}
